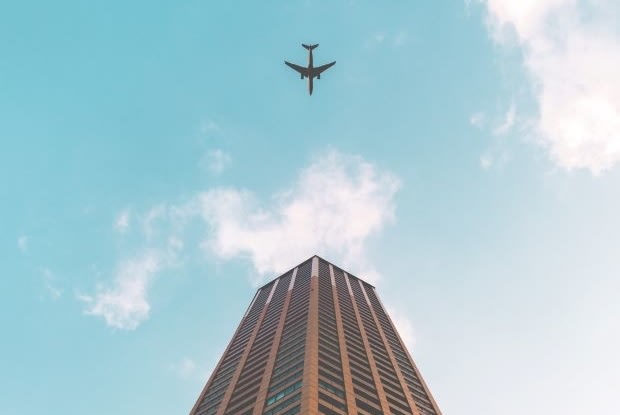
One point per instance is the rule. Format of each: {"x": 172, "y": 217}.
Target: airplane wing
{"x": 317, "y": 71}
{"x": 300, "y": 69}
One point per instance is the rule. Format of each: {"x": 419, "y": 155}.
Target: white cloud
{"x": 150, "y": 220}
{"x": 175, "y": 244}
{"x": 124, "y": 305}
{"x": 497, "y": 154}
{"x": 572, "y": 54}
{"x": 486, "y": 161}
{"x": 495, "y": 157}
{"x": 121, "y": 224}
{"x": 477, "y": 119}
{"x": 404, "y": 326}
{"x": 216, "y": 161}
{"x": 22, "y": 243}
{"x": 508, "y": 122}
{"x": 185, "y": 368}
{"x": 333, "y": 207}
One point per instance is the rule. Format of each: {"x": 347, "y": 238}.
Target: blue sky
{"x": 159, "y": 161}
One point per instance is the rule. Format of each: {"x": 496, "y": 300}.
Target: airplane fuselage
{"x": 310, "y": 76}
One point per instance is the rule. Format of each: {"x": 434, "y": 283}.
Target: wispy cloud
{"x": 152, "y": 219}
{"x": 184, "y": 368}
{"x": 572, "y": 55}
{"x": 495, "y": 157}
{"x": 503, "y": 124}
{"x": 486, "y": 161}
{"x": 215, "y": 161}
{"x": 123, "y": 304}
{"x": 49, "y": 281}
{"x": 122, "y": 222}
{"x": 497, "y": 154}
{"x": 22, "y": 243}
{"x": 477, "y": 119}
{"x": 508, "y": 122}
{"x": 332, "y": 208}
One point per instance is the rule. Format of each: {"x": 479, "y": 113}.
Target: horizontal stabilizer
{"x": 310, "y": 47}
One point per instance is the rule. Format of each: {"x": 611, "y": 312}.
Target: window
{"x": 275, "y": 398}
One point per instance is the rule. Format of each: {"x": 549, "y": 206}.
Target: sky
{"x": 159, "y": 162}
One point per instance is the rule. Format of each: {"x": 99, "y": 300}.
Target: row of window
{"x": 334, "y": 403}
{"x": 324, "y": 410}
{"x": 298, "y": 374}
{"x": 279, "y": 407}
{"x": 220, "y": 382}
{"x": 331, "y": 399}
{"x": 358, "y": 364}
{"x": 251, "y": 376}
{"x": 289, "y": 362}
{"x": 245, "y": 392}
{"x": 278, "y": 396}
{"x": 366, "y": 393}
{"x": 227, "y": 368}
{"x": 385, "y": 368}
{"x": 405, "y": 366}
{"x": 330, "y": 352}
{"x": 330, "y": 388}
{"x": 358, "y": 361}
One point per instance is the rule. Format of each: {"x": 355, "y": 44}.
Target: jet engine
{"x": 318, "y": 76}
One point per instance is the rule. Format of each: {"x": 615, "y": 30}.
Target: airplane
{"x": 311, "y": 71}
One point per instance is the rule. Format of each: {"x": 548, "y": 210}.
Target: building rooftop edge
{"x": 309, "y": 259}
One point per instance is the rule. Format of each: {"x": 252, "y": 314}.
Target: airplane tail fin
{"x": 309, "y": 47}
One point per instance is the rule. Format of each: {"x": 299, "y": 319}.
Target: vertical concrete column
{"x": 310, "y": 391}
{"x": 233, "y": 382}
{"x": 344, "y": 356}
{"x": 385, "y": 408}
{"x": 264, "y": 386}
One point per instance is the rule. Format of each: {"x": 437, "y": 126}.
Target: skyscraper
{"x": 316, "y": 340}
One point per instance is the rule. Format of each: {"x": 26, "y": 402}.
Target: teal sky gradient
{"x": 507, "y": 273}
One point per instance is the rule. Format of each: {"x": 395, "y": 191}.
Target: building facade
{"x": 316, "y": 340}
